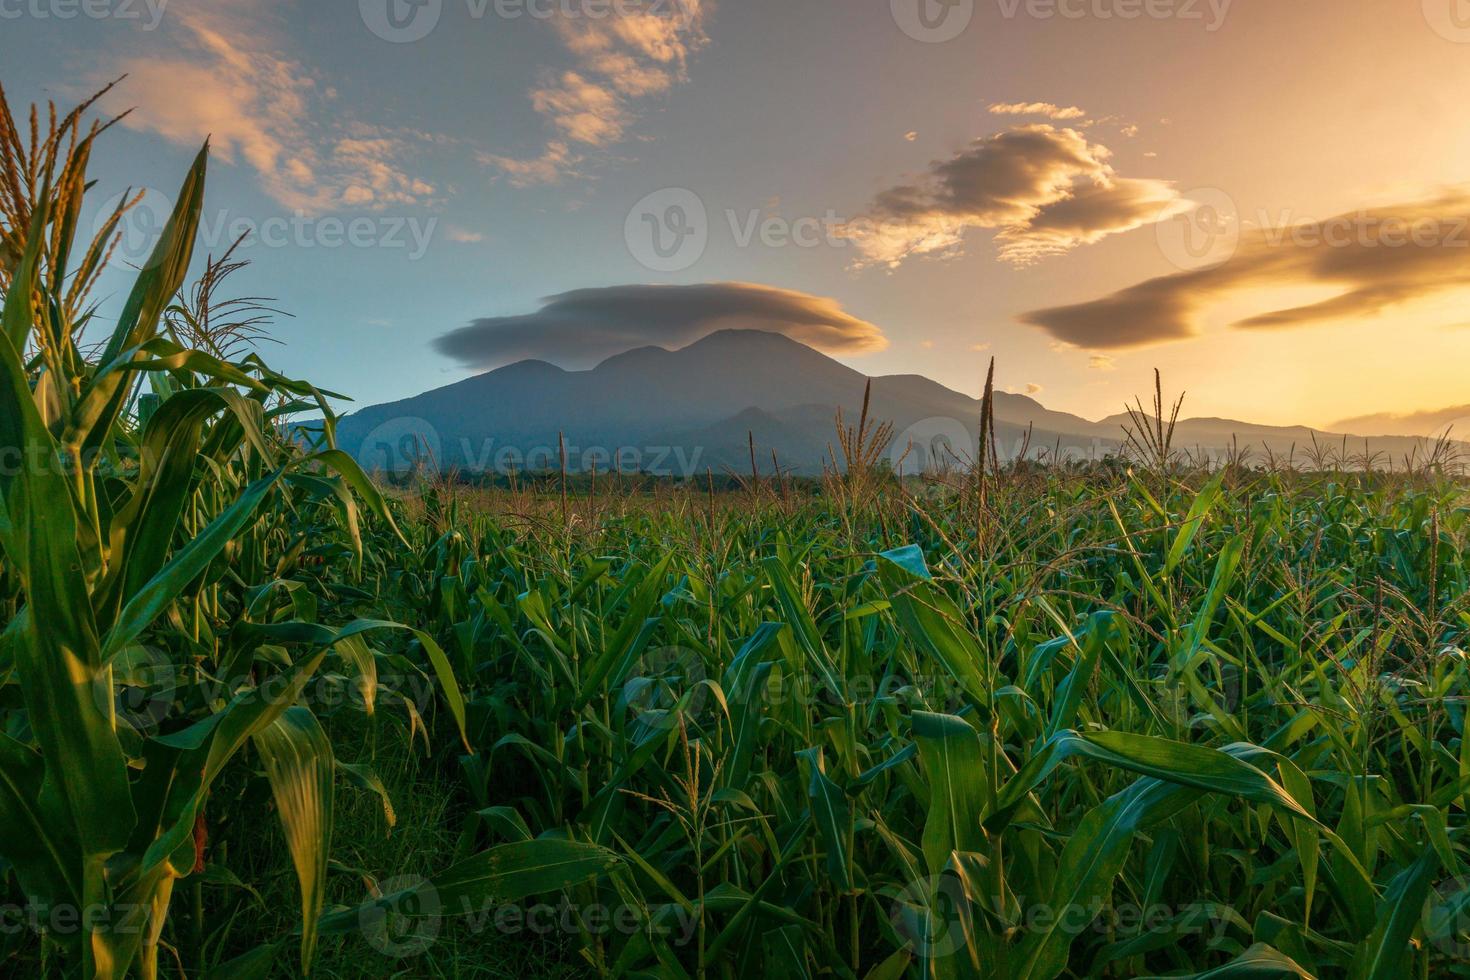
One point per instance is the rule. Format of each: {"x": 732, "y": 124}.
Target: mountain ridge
{"x": 706, "y": 399}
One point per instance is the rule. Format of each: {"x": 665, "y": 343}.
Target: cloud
{"x": 1034, "y": 389}
{"x": 1105, "y": 206}
{"x": 1101, "y": 362}
{"x": 1375, "y": 259}
{"x": 1042, "y": 189}
{"x": 631, "y": 54}
{"x": 463, "y": 236}
{"x": 1453, "y": 421}
{"x": 582, "y": 328}
{"x": 583, "y": 110}
{"x": 555, "y": 163}
{"x": 268, "y": 112}
{"x": 1047, "y": 109}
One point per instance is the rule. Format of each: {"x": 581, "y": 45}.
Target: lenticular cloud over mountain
{"x": 580, "y": 329}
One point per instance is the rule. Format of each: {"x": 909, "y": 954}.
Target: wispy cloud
{"x": 267, "y": 111}
{"x": 555, "y": 163}
{"x": 1042, "y": 189}
{"x": 463, "y": 236}
{"x": 1375, "y": 259}
{"x": 586, "y": 326}
{"x": 627, "y": 56}
{"x": 583, "y": 110}
{"x": 1047, "y": 110}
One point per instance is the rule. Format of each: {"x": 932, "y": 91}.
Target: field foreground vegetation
{"x": 260, "y": 717}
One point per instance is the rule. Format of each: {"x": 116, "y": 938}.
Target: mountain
{"x": 1453, "y": 421}
{"x": 682, "y": 412}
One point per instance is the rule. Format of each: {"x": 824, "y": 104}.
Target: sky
{"x": 1268, "y": 201}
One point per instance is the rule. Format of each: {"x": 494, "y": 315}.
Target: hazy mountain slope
{"x": 1455, "y": 420}
{"x": 682, "y": 412}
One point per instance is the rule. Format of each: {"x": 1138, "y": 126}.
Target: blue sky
{"x": 990, "y": 193}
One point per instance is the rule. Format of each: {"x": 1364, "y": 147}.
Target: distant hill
{"x": 1453, "y": 422}
{"x": 679, "y": 413}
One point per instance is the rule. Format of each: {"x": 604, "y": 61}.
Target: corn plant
{"x": 150, "y": 537}
{"x": 1231, "y": 701}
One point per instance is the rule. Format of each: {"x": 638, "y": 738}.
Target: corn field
{"x": 1094, "y": 721}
